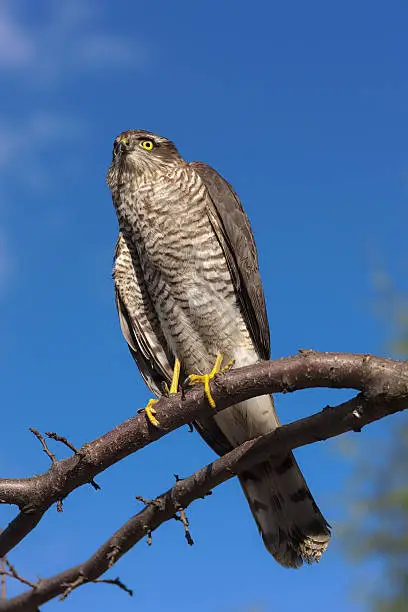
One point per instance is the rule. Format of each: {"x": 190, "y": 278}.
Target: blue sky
{"x": 302, "y": 106}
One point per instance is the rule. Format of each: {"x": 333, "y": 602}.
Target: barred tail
{"x": 292, "y": 527}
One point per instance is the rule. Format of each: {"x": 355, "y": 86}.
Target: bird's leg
{"x": 204, "y": 379}
{"x": 176, "y": 377}
{"x": 149, "y": 410}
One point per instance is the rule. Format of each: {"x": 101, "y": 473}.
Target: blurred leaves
{"x": 392, "y": 306}
{"x": 377, "y": 527}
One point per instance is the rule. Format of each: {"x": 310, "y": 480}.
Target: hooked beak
{"x": 121, "y": 146}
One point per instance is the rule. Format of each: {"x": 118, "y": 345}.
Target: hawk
{"x": 189, "y": 295}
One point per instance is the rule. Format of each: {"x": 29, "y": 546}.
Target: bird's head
{"x": 137, "y": 153}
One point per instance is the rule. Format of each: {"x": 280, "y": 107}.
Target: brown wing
{"x": 138, "y": 320}
{"x": 234, "y": 233}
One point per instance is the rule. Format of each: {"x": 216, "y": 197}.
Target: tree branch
{"x": 331, "y": 421}
{"x": 380, "y": 380}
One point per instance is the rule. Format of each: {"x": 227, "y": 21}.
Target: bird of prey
{"x": 190, "y": 300}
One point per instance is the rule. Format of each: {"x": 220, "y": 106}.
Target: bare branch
{"x": 183, "y": 518}
{"x": 12, "y": 573}
{"x": 330, "y": 422}
{"x": 117, "y": 582}
{"x": 44, "y": 445}
{"x": 384, "y": 381}
{"x": 83, "y": 580}
{"x": 63, "y": 440}
{"x": 146, "y": 502}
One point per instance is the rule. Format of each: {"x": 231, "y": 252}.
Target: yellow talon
{"x": 149, "y": 410}
{"x": 204, "y": 379}
{"x": 229, "y": 365}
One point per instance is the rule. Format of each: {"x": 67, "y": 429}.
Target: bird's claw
{"x": 204, "y": 379}
{"x": 150, "y": 412}
{"x": 228, "y": 366}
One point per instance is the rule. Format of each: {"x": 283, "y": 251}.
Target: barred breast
{"x": 184, "y": 267}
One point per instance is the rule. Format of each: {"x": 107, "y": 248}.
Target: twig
{"x": 153, "y": 503}
{"x": 73, "y": 585}
{"x": 117, "y": 582}
{"x": 22, "y": 580}
{"x": 12, "y": 572}
{"x": 183, "y": 518}
{"x": 84, "y": 580}
{"x": 51, "y": 456}
{"x": 148, "y": 502}
{"x": 94, "y": 485}
{"x": 113, "y": 556}
{"x": 66, "y": 442}
{"x": 143, "y": 500}
{"x": 44, "y": 445}
{"x": 63, "y": 440}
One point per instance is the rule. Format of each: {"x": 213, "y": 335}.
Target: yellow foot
{"x": 229, "y": 365}
{"x": 149, "y": 410}
{"x": 204, "y": 379}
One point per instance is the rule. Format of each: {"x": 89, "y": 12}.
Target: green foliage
{"x": 378, "y": 526}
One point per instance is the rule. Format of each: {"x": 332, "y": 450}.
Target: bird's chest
{"x": 184, "y": 267}
{"x": 170, "y": 228}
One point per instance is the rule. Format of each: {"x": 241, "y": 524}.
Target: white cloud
{"x": 104, "y": 49}
{"x": 21, "y": 147}
{"x": 19, "y": 140}
{"x": 68, "y": 39}
{"x": 70, "y": 36}
{"x": 15, "y": 45}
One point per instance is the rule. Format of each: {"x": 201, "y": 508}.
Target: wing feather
{"x": 138, "y": 320}
{"x": 234, "y": 233}
{"x": 141, "y": 330}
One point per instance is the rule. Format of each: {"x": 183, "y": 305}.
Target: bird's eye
{"x": 147, "y": 144}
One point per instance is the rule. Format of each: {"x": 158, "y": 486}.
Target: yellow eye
{"x": 147, "y": 144}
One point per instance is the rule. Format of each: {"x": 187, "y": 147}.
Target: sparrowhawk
{"x": 188, "y": 292}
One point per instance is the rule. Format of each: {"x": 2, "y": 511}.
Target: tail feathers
{"x": 292, "y": 527}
